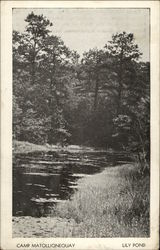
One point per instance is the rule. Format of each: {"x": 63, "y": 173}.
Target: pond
{"x": 41, "y": 179}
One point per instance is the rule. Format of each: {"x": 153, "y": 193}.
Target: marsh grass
{"x": 114, "y": 203}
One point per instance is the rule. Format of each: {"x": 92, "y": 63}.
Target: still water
{"x": 41, "y": 179}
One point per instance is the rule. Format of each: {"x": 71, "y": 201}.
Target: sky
{"x": 83, "y": 29}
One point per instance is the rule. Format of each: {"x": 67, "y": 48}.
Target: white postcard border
{"x": 7, "y": 242}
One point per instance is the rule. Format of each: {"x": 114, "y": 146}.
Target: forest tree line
{"x": 101, "y": 99}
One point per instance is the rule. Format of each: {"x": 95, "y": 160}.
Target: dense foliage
{"x": 101, "y": 99}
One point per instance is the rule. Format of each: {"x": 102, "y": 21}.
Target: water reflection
{"x": 41, "y": 179}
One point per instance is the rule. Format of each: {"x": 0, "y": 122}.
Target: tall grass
{"x": 114, "y": 203}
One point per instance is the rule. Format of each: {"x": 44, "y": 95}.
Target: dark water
{"x": 41, "y": 179}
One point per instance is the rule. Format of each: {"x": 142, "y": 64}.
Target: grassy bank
{"x": 114, "y": 203}
{"x": 26, "y": 147}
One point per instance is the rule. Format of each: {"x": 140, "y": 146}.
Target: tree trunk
{"x": 96, "y": 93}
{"x": 33, "y": 69}
{"x": 142, "y": 142}
{"x": 119, "y": 100}
{"x": 33, "y": 72}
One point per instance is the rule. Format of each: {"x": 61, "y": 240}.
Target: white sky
{"x": 82, "y": 29}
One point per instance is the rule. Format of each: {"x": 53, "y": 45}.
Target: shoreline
{"x": 110, "y": 202}
{"x": 22, "y": 147}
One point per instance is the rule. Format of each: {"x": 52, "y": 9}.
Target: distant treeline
{"x": 101, "y": 99}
